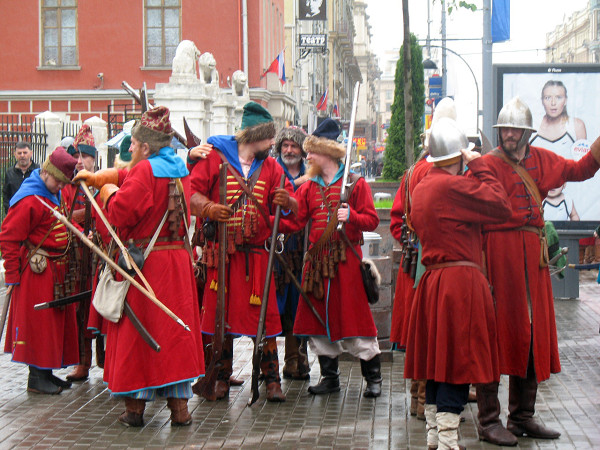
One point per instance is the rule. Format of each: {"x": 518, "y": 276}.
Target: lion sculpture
{"x": 239, "y": 82}
{"x": 185, "y": 61}
{"x": 208, "y": 69}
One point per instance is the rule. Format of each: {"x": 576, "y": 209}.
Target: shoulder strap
{"x": 524, "y": 175}
{"x": 246, "y": 187}
{"x": 408, "y": 197}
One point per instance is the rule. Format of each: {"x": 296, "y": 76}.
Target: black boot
{"x": 65, "y": 384}
{"x": 40, "y": 382}
{"x": 330, "y": 377}
{"x": 371, "y": 371}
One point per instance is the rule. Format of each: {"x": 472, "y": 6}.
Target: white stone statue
{"x": 239, "y": 83}
{"x": 185, "y": 62}
{"x": 208, "y": 69}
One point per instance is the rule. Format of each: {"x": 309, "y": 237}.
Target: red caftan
{"x": 344, "y": 306}
{"x": 523, "y": 290}
{"x": 246, "y": 269}
{"x": 136, "y": 209}
{"x": 404, "y": 293}
{"x": 452, "y": 329}
{"x": 44, "y": 338}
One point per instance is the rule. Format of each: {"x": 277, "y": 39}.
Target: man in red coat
{"x": 332, "y": 276}
{"x": 35, "y": 250}
{"x": 84, "y": 151}
{"x": 527, "y": 340}
{"x": 451, "y": 339}
{"x": 248, "y": 217}
{"x": 137, "y": 200}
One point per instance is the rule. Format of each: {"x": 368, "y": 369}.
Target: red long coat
{"x": 511, "y": 254}
{"x": 344, "y": 306}
{"x": 131, "y": 365}
{"x": 243, "y": 279}
{"x": 404, "y": 294}
{"x": 452, "y": 329}
{"x": 44, "y": 338}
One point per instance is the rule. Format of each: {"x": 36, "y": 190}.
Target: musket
{"x": 593, "y": 266}
{"x": 85, "y": 295}
{"x": 258, "y": 341}
{"x": 210, "y": 378}
{"x": 5, "y": 311}
{"x": 83, "y": 311}
{"x": 283, "y": 263}
{"x": 113, "y": 264}
{"x": 145, "y": 103}
{"x": 343, "y": 190}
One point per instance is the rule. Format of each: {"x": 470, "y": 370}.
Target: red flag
{"x": 322, "y": 105}
{"x": 336, "y": 111}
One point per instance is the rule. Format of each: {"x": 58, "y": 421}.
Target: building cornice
{"x": 71, "y": 94}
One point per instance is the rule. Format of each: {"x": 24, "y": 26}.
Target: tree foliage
{"x": 394, "y": 159}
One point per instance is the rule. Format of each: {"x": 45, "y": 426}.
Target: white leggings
{"x": 364, "y": 348}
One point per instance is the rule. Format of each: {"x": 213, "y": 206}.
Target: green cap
{"x": 254, "y": 114}
{"x": 124, "y": 153}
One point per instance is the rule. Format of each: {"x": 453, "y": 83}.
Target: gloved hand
{"x": 282, "y": 198}
{"x": 98, "y": 179}
{"x": 107, "y": 191}
{"x": 217, "y": 212}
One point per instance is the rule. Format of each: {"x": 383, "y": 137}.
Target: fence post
{"x": 53, "y": 130}
{"x": 100, "y": 133}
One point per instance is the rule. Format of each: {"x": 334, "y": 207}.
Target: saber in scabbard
{"x": 343, "y": 190}
{"x": 258, "y": 344}
{"x": 85, "y": 295}
{"x": 112, "y": 264}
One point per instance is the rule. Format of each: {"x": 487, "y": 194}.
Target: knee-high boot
{"x": 371, "y": 371}
{"x": 82, "y": 370}
{"x": 180, "y": 416}
{"x": 330, "y": 377}
{"x": 225, "y": 368}
{"x": 269, "y": 366}
{"x": 490, "y": 426}
{"x": 134, "y": 413}
{"x": 521, "y": 406}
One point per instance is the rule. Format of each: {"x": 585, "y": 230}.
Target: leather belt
{"x": 455, "y": 264}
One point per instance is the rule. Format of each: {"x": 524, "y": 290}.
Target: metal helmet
{"x": 445, "y": 108}
{"x": 446, "y": 141}
{"x": 516, "y": 114}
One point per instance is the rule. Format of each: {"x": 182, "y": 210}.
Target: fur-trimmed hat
{"x": 323, "y": 142}
{"x": 154, "y": 128}
{"x": 257, "y": 124}
{"x": 60, "y": 165}
{"x": 84, "y": 142}
{"x": 294, "y": 134}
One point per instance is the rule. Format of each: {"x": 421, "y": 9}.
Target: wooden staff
{"x": 113, "y": 264}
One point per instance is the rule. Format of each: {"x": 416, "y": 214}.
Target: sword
{"x": 64, "y": 301}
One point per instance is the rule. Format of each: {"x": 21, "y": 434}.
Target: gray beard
{"x": 291, "y": 160}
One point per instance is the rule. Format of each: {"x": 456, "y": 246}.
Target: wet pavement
{"x": 86, "y": 416}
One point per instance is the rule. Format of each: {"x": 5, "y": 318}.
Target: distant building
{"x": 577, "y": 39}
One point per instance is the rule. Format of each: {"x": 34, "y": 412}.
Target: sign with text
{"x": 361, "y": 143}
{"x": 312, "y": 40}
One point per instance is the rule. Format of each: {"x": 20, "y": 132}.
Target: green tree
{"x": 394, "y": 159}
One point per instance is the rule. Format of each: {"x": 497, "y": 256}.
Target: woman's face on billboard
{"x": 554, "y": 99}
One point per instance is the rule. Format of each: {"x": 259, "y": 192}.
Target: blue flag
{"x": 500, "y": 20}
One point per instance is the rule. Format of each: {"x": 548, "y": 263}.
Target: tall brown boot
{"x": 521, "y": 407}
{"x": 81, "y": 371}
{"x": 414, "y": 398}
{"x": 221, "y": 389}
{"x": 134, "y": 413}
{"x": 269, "y": 366}
{"x": 421, "y": 399}
{"x": 100, "y": 352}
{"x": 290, "y": 368}
{"x": 490, "y": 427}
{"x": 180, "y": 416}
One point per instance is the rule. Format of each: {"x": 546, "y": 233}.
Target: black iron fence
{"x": 13, "y": 130}
{"x": 118, "y": 115}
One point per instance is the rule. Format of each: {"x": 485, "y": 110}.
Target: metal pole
{"x": 245, "y": 34}
{"x": 486, "y": 71}
{"x": 444, "y": 71}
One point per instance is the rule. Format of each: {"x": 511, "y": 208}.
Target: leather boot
{"x": 330, "y": 377}
{"x": 134, "y": 413}
{"x": 414, "y": 399}
{"x": 521, "y": 406}
{"x": 221, "y": 389}
{"x": 100, "y": 352}
{"x": 269, "y": 366}
{"x": 180, "y": 416}
{"x": 303, "y": 367}
{"x": 59, "y": 382}
{"x": 421, "y": 384}
{"x": 490, "y": 427}
{"x": 290, "y": 368}
{"x": 40, "y": 382}
{"x": 447, "y": 425}
{"x": 431, "y": 426}
{"x": 81, "y": 371}
{"x": 371, "y": 371}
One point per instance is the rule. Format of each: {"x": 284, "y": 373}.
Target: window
{"x": 163, "y": 31}
{"x": 59, "y": 33}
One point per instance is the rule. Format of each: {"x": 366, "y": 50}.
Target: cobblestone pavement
{"x": 85, "y": 415}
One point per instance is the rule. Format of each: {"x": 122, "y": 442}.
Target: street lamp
{"x": 429, "y": 64}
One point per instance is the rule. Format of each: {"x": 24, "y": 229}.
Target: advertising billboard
{"x": 312, "y": 9}
{"x": 563, "y": 99}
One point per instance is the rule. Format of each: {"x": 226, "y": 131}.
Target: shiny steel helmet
{"x": 446, "y": 141}
{"x": 445, "y": 108}
{"x": 516, "y": 114}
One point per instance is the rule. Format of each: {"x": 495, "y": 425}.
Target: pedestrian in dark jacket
{"x": 15, "y": 175}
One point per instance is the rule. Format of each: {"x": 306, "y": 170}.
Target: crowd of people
{"x": 473, "y": 296}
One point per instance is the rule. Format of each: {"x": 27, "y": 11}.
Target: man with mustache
{"x": 252, "y": 193}
{"x": 518, "y": 273}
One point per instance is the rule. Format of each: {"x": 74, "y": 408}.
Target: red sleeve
{"x": 397, "y": 211}
{"x": 363, "y": 216}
